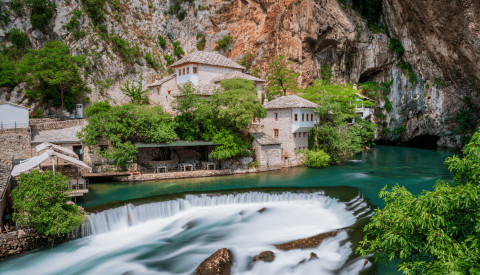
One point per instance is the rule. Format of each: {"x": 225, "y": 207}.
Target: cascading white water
{"x": 130, "y": 215}
{"x": 174, "y": 237}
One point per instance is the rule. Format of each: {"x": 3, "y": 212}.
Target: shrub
{"x": 42, "y": 12}
{"x": 150, "y": 59}
{"x": 177, "y": 49}
{"x": 128, "y": 53}
{"x": 437, "y": 81}
{"x": 74, "y": 21}
{"x": 162, "y": 42}
{"x": 18, "y": 39}
{"x": 396, "y": 47}
{"x": 41, "y": 201}
{"x": 169, "y": 58}
{"x": 224, "y": 43}
{"x": 407, "y": 69}
{"x": 315, "y": 159}
{"x": 201, "y": 43}
{"x": 94, "y": 9}
{"x": 388, "y": 105}
{"x": 79, "y": 34}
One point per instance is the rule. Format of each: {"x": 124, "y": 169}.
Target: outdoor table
{"x": 207, "y": 165}
{"x": 161, "y": 167}
{"x": 185, "y": 165}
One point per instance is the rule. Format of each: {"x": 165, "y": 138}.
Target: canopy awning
{"x": 37, "y": 160}
{"x": 48, "y": 145}
{"x": 180, "y": 143}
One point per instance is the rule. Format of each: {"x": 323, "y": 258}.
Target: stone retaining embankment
{"x": 177, "y": 175}
{"x": 21, "y": 241}
{"x": 56, "y": 124}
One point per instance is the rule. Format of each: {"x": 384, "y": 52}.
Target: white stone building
{"x": 204, "y": 71}
{"x": 289, "y": 120}
{"x": 13, "y": 116}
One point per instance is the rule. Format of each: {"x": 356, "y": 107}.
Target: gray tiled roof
{"x": 161, "y": 81}
{"x": 67, "y": 135}
{"x": 209, "y": 58}
{"x": 290, "y": 101}
{"x": 237, "y": 75}
{"x": 263, "y": 139}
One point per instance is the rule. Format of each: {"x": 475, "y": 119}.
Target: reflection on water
{"x": 417, "y": 169}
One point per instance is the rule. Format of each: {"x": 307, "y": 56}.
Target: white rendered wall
{"x": 207, "y": 73}
{"x": 12, "y": 116}
{"x": 304, "y": 125}
{"x": 184, "y": 78}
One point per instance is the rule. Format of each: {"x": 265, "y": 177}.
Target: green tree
{"x": 315, "y": 159}
{"x": 239, "y": 103}
{"x": 195, "y": 115}
{"x": 8, "y": 74}
{"x": 280, "y": 77}
{"x": 40, "y": 201}
{"x": 53, "y": 74}
{"x": 177, "y": 49}
{"x": 436, "y": 232}
{"x": 120, "y": 127}
{"x": 162, "y": 42}
{"x": 231, "y": 145}
{"x": 135, "y": 92}
{"x": 19, "y": 39}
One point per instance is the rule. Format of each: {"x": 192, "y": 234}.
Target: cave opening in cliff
{"x": 424, "y": 141}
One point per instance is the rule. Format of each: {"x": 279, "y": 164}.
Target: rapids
{"x": 174, "y": 237}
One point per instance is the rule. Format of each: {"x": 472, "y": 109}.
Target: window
{"x": 294, "y": 135}
{"x": 179, "y": 72}
{"x": 311, "y": 117}
{"x": 276, "y": 116}
{"x": 304, "y": 134}
{"x": 296, "y": 117}
{"x": 195, "y": 70}
{"x": 254, "y": 120}
{"x": 275, "y": 133}
{"x": 307, "y": 117}
{"x": 158, "y": 90}
{"x": 169, "y": 92}
{"x": 188, "y": 70}
{"x": 303, "y": 117}
{"x": 183, "y": 71}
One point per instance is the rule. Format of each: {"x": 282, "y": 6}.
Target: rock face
{"x": 266, "y": 256}
{"x": 21, "y": 241}
{"x": 441, "y": 40}
{"x": 219, "y": 263}
{"x": 310, "y": 242}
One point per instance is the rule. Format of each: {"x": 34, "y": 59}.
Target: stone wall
{"x": 21, "y": 241}
{"x": 176, "y": 175}
{"x": 161, "y": 96}
{"x": 57, "y": 124}
{"x": 268, "y": 157}
{"x": 15, "y": 144}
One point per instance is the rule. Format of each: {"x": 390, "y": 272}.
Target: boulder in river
{"x": 310, "y": 242}
{"x": 262, "y": 209}
{"x": 313, "y": 256}
{"x": 219, "y": 263}
{"x": 266, "y": 256}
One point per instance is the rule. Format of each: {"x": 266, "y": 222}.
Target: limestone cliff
{"x": 441, "y": 40}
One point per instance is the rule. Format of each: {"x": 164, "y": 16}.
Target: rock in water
{"x": 310, "y": 242}
{"x": 219, "y": 263}
{"x": 262, "y": 209}
{"x": 313, "y": 256}
{"x": 266, "y": 256}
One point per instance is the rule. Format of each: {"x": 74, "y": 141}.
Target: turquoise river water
{"x": 170, "y": 226}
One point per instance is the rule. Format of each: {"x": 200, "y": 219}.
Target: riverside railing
{"x": 13, "y": 125}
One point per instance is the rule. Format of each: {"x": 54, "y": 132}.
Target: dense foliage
{"x": 120, "y": 127}
{"x": 224, "y": 43}
{"x": 53, "y": 75}
{"x": 281, "y": 79}
{"x": 40, "y": 202}
{"x": 436, "y": 232}
{"x": 335, "y": 134}
{"x": 222, "y": 118}
{"x": 315, "y": 159}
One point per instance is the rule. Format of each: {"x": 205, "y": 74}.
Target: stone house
{"x": 204, "y": 71}
{"x": 289, "y": 120}
{"x": 268, "y": 151}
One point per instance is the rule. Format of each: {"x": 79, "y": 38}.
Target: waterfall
{"x": 131, "y": 215}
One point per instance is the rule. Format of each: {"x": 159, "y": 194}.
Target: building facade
{"x": 202, "y": 70}
{"x": 289, "y": 120}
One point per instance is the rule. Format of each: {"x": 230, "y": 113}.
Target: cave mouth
{"x": 424, "y": 141}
